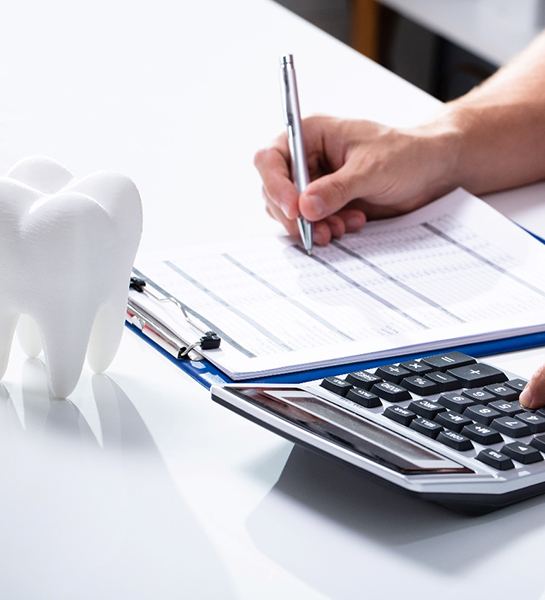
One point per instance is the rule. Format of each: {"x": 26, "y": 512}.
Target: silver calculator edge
{"x": 482, "y": 487}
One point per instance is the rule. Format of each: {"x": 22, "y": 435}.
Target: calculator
{"x": 447, "y": 428}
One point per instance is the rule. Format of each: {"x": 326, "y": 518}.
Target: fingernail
{"x": 525, "y": 398}
{"x": 286, "y": 209}
{"x": 318, "y": 206}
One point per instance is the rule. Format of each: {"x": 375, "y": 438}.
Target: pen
{"x": 292, "y": 115}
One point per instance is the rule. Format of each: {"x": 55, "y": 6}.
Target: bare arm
{"x": 502, "y": 126}
{"x": 492, "y": 138}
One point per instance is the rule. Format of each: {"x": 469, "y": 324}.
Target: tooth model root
{"x": 66, "y": 251}
{"x": 7, "y": 329}
{"x": 65, "y": 350}
{"x": 107, "y": 331}
{"x": 29, "y": 336}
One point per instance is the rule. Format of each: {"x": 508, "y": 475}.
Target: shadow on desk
{"x": 332, "y": 527}
{"x": 89, "y": 509}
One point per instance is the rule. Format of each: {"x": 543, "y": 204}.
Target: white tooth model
{"x": 66, "y": 251}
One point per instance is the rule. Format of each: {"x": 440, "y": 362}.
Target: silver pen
{"x": 299, "y": 167}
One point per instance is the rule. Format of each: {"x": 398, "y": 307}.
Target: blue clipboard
{"x": 207, "y": 374}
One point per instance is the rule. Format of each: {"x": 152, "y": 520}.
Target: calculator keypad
{"x": 464, "y": 404}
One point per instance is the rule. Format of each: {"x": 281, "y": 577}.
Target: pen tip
{"x": 309, "y": 252}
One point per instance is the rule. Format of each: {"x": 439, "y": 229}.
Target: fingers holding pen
{"x": 327, "y": 195}
{"x": 277, "y": 213}
{"x": 322, "y": 230}
{"x": 272, "y": 165}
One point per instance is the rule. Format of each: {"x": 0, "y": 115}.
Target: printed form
{"x": 453, "y": 272}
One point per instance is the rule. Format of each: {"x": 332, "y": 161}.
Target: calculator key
{"x": 495, "y": 459}
{"x": 426, "y": 427}
{"x": 450, "y": 360}
{"x": 390, "y": 391}
{"x": 482, "y": 434}
{"x": 517, "y": 384}
{"x": 425, "y": 408}
{"x": 479, "y": 395}
{"x": 416, "y": 367}
{"x": 421, "y": 385}
{"x": 481, "y": 413}
{"x": 363, "y": 397}
{"x": 392, "y": 373}
{"x": 538, "y": 442}
{"x": 399, "y": 414}
{"x": 512, "y": 427}
{"x": 336, "y": 384}
{"x": 508, "y": 409}
{"x": 452, "y": 420}
{"x": 362, "y": 379}
{"x": 503, "y": 392}
{"x": 455, "y": 401}
{"x": 522, "y": 453}
{"x": 533, "y": 420}
{"x": 445, "y": 381}
{"x": 454, "y": 440}
{"x": 477, "y": 375}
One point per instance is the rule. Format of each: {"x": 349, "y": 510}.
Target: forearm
{"x": 501, "y": 126}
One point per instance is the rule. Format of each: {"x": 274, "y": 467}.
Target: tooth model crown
{"x": 66, "y": 251}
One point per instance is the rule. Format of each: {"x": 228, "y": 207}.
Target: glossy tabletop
{"x": 139, "y": 486}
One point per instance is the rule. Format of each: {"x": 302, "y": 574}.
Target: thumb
{"x": 328, "y": 194}
{"x": 533, "y": 395}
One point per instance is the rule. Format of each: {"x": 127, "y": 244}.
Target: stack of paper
{"x": 453, "y": 272}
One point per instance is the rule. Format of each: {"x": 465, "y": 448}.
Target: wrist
{"x": 444, "y": 140}
{"x": 454, "y": 127}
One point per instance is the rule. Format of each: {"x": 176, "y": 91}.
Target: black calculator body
{"x": 448, "y": 428}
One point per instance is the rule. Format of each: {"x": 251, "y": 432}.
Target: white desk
{"x": 141, "y": 487}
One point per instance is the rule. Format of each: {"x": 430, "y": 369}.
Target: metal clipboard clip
{"x": 157, "y": 330}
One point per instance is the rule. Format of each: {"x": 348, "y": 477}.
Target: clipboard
{"x": 185, "y": 353}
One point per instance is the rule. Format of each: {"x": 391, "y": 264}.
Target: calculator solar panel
{"x": 447, "y": 427}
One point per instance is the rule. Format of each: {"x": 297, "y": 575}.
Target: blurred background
{"x": 445, "y": 47}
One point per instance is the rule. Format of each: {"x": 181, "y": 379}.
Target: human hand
{"x": 359, "y": 170}
{"x": 533, "y": 395}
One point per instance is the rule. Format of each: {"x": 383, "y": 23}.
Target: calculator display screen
{"x": 349, "y": 430}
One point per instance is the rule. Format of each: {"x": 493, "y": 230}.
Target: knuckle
{"x": 539, "y": 375}
{"x": 340, "y": 189}
{"x": 260, "y": 157}
{"x": 317, "y": 118}
{"x": 280, "y": 141}
{"x": 315, "y": 122}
